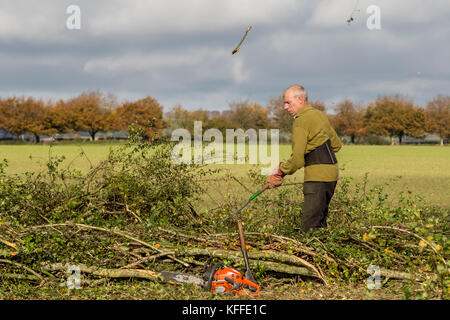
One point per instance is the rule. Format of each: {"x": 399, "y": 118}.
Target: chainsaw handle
{"x": 252, "y": 286}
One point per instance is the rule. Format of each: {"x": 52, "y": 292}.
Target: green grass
{"x": 424, "y": 170}
{"x": 32, "y": 157}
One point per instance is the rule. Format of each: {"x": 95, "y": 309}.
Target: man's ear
{"x": 302, "y": 100}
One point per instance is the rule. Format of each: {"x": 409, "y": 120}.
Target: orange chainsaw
{"x": 220, "y": 278}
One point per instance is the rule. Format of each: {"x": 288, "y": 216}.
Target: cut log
{"x": 104, "y": 272}
{"x": 289, "y": 264}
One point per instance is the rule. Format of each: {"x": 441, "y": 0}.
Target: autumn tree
{"x": 90, "y": 111}
{"x": 438, "y": 114}
{"x": 62, "y": 117}
{"x": 248, "y": 115}
{"x": 348, "y": 120}
{"x": 395, "y": 117}
{"x": 145, "y": 113}
{"x": 26, "y": 115}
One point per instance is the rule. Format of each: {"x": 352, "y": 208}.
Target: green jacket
{"x": 311, "y": 129}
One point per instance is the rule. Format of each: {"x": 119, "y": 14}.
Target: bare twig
{"x": 242, "y": 185}
{"x": 134, "y": 214}
{"x": 306, "y": 263}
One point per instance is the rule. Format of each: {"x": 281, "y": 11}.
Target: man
{"x": 314, "y": 143}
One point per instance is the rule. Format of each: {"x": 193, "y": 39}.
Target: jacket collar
{"x": 306, "y": 108}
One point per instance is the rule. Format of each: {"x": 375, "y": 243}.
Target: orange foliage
{"x": 145, "y": 113}
{"x": 438, "y": 112}
{"x": 86, "y": 112}
{"x": 26, "y": 115}
{"x": 395, "y": 117}
{"x": 348, "y": 120}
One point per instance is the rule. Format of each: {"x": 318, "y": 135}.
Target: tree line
{"x": 90, "y": 111}
{"x": 390, "y": 116}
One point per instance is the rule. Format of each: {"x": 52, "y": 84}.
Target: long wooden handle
{"x": 242, "y": 239}
{"x": 248, "y": 272}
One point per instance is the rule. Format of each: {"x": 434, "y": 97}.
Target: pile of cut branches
{"x": 114, "y": 253}
{"x": 46, "y": 253}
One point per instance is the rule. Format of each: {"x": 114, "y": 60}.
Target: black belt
{"x": 323, "y": 154}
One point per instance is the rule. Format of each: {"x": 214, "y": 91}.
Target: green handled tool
{"x": 253, "y": 196}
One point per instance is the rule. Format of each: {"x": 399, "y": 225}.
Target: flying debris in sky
{"x": 242, "y": 40}
{"x": 351, "y": 19}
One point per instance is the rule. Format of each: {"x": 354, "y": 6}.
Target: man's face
{"x": 292, "y": 103}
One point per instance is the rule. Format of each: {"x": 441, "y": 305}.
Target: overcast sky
{"x": 179, "y": 51}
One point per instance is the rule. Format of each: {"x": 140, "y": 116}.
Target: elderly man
{"x": 314, "y": 143}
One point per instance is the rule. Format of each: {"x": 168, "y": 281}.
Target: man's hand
{"x": 276, "y": 178}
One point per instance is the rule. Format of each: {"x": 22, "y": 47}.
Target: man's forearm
{"x": 291, "y": 165}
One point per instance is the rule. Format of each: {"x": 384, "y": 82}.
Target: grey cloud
{"x": 180, "y": 51}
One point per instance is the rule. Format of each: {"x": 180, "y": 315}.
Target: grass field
{"x": 423, "y": 170}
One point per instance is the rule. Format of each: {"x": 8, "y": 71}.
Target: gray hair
{"x": 299, "y": 91}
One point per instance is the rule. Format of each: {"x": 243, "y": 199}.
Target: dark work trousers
{"x": 317, "y": 196}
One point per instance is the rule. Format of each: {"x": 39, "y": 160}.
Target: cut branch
{"x": 113, "y": 232}
{"x": 23, "y": 267}
{"x": 289, "y": 264}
